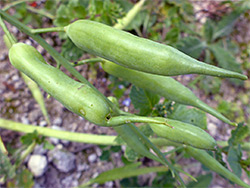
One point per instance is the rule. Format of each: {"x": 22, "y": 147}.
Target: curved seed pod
{"x": 75, "y": 96}
{"x": 163, "y": 86}
{"x": 185, "y": 133}
{"x": 138, "y": 53}
{"x": 214, "y": 165}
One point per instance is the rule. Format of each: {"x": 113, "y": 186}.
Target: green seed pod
{"x": 185, "y": 133}
{"x": 75, "y": 96}
{"x": 214, "y": 165}
{"x": 138, "y": 53}
{"x": 163, "y": 86}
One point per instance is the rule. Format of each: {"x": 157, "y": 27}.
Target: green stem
{"x": 59, "y": 59}
{"x": 8, "y": 6}
{"x": 173, "y": 150}
{"x": 26, "y": 153}
{"x": 2, "y": 147}
{"x": 64, "y": 135}
{"x": 85, "y": 61}
{"x": 46, "y": 30}
{"x": 125, "y": 21}
{"x": 158, "y": 152}
{"x": 6, "y": 31}
{"x": 41, "y": 12}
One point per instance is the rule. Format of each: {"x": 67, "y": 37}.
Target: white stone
{"x": 37, "y": 165}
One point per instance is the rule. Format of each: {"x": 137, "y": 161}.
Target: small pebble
{"x": 63, "y": 161}
{"x": 37, "y": 165}
{"x": 92, "y": 158}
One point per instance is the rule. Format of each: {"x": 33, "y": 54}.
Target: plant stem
{"x": 158, "y": 152}
{"x": 125, "y": 21}
{"x": 41, "y": 12}
{"x": 6, "y": 31}
{"x": 85, "y": 61}
{"x": 173, "y": 150}
{"x": 64, "y": 135}
{"x": 8, "y": 6}
{"x": 46, "y": 30}
{"x": 2, "y": 147}
{"x": 25, "y": 153}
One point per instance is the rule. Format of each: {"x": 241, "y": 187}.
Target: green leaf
{"x": 192, "y": 116}
{"x": 208, "y": 30}
{"x": 70, "y": 51}
{"x": 191, "y": 46}
{"x": 225, "y": 26}
{"x": 210, "y": 85}
{"x": 63, "y": 16}
{"x": 234, "y": 156}
{"x": 125, "y": 172}
{"x": 239, "y": 134}
{"x": 48, "y": 145}
{"x": 146, "y": 130}
{"x": 105, "y": 155}
{"x": 6, "y": 168}
{"x": 131, "y": 154}
{"x": 226, "y": 60}
{"x": 28, "y": 138}
{"x": 173, "y": 35}
{"x": 24, "y": 179}
{"x": 143, "y": 100}
{"x": 203, "y": 181}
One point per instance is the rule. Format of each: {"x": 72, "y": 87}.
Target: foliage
{"x": 171, "y": 22}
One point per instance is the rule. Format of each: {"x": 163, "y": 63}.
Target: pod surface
{"x": 163, "y": 86}
{"x": 75, "y": 96}
{"x": 214, "y": 165}
{"x": 138, "y": 53}
{"x": 185, "y": 133}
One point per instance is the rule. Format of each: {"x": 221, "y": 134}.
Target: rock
{"x": 92, "y": 158}
{"x": 57, "y": 121}
{"x": 69, "y": 181}
{"x": 63, "y": 161}
{"x": 37, "y": 164}
{"x": 39, "y": 150}
{"x": 82, "y": 167}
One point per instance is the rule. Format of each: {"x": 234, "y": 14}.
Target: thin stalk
{"x": 6, "y": 31}
{"x": 46, "y": 30}
{"x": 25, "y": 153}
{"x": 125, "y": 21}
{"x": 63, "y": 135}
{"x": 59, "y": 59}
{"x": 41, "y": 12}
{"x": 173, "y": 150}
{"x": 85, "y": 61}
{"x": 2, "y": 147}
{"x": 12, "y": 4}
{"x": 158, "y": 152}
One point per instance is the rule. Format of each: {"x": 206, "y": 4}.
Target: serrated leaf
{"x": 226, "y": 60}
{"x": 238, "y": 134}
{"x": 202, "y": 181}
{"x": 6, "y": 168}
{"x": 234, "y": 156}
{"x": 208, "y": 30}
{"x": 143, "y": 100}
{"x": 70, "y": 51}
{"x": 191, "y": 46}
{"x": 225, "y": 26}
{"x": 173, "y": 35}
{"x": 125, "y": 172}
{"x": 24, "y": 179}
{"x": 28, "y": 138}
{"x": 63, "y": 16}
{"x": 192, "y": 116}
